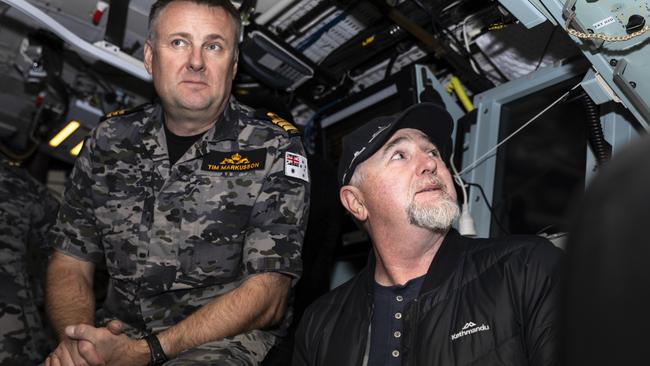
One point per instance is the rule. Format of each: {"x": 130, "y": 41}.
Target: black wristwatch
{"x": 158, "y": 356}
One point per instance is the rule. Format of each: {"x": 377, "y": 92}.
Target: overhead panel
{"x": 613, "y": 36}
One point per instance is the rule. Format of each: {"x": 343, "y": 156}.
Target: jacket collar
{"x": 444, "y": 263}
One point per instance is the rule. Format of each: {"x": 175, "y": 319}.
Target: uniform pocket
{"x": 216, "y": 215}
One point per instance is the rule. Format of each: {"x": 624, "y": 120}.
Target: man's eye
{"x": 435, "y": 153}
{"x": 178, "y": 43}
{"x": 398, "y": 155}
{"x": 213, "y": 47}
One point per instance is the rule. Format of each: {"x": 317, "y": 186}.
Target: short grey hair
{"x": 358, "y": 176}
{"x": 230, "y": 9}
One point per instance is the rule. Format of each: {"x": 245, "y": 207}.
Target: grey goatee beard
{"x": 437, "y": 216}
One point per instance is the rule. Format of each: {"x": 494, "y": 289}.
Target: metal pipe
{"x": 273, "y": 11}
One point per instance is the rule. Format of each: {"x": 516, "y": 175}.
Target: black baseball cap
{"x": 362, "y": 143}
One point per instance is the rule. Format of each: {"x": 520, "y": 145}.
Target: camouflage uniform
{"x": 27, "y": 210}
{"x": 175, "y": 237}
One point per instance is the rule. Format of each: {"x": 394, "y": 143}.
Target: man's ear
{"x": 234, "y": 66}
{"x": 352, "y": 200}
{"x": 148, "y": 56}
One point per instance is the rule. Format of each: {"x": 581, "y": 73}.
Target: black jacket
{"x": 483, "y": 302}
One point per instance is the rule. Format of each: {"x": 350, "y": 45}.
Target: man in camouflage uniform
{"x": 196, "y": 204}
{"x": 27, "y": 210}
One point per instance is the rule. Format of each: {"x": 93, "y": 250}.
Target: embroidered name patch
{"x": 239, "y": 161}
{"x": 296, "y": 166}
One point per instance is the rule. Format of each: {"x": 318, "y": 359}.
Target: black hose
{"x": 601, "y": 148}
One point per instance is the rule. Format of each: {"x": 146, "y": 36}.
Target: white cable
{"x": 276, "y": 9}
{"x": 479, "y": 160}
{"x": 457, "y": 177}
{"x": 465, "y": 222}
{"x": 465, "y": 37}
{"x": 455, "y": 3}
{"x": 467, "y": 44}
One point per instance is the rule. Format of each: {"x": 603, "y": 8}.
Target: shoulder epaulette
{"x": 278, "y": 121}
{"x": 125, "y": 111}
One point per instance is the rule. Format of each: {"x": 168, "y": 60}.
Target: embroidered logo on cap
{"x": 240, "y": 161}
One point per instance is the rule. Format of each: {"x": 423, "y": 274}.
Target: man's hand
{"x": 68, "y": 353}
{"x": 80, "y": 352}
{"x": 109, "y": 345}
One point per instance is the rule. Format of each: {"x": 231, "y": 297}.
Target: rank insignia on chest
{"x": 235, "y": 161}
{"x": 295, "y": 166}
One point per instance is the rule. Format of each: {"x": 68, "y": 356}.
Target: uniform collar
{"x": 226, "y": 127}
{"x": 154, "y": 120}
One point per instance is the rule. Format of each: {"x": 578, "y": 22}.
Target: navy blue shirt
{"x": 387, "y": 324}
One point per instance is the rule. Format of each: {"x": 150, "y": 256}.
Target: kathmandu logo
{"x": 470, "y": 328}
{"x": 469, "y": 325}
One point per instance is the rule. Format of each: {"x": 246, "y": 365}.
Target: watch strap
{"x": 158, "y": 356}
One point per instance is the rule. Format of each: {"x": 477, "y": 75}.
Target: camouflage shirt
{"x": 27, "y": 210}
{"x": 174, "y": 237}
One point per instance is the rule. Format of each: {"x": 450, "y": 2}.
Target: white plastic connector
{"x": 466, "y": 222}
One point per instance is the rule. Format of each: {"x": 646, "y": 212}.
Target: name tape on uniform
{"x": 296, "y": 166}
{"x": 236, "y": 161}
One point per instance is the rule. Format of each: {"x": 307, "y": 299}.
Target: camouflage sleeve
{"x": 43, "y": 217}
{"x": 75, "y": 232}
{"x": 278, "y": 219}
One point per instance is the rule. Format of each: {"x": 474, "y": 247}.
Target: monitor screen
{"x": 541, "y": 170}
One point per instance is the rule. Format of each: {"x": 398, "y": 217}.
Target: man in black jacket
{"x": 428, "y": 295}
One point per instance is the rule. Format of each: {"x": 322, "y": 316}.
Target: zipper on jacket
{"x": 366, "y": 352}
